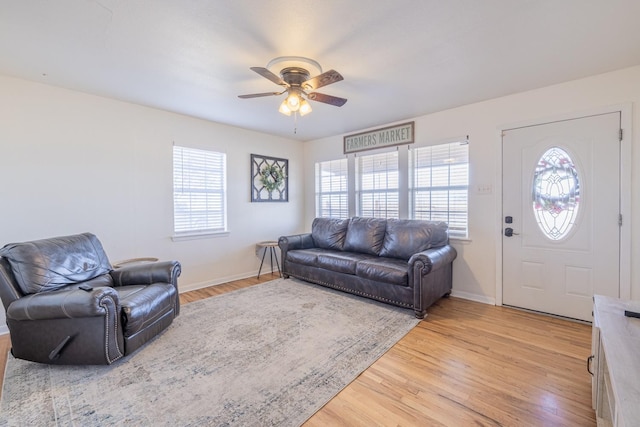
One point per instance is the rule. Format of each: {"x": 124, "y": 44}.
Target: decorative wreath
{"x": 272, "y": 177}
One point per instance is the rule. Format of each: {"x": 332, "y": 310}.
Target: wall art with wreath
{"x": 269, "y": 179}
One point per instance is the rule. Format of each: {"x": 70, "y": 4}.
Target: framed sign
{"x": 269, "y": 179}
{"x": 384, "y": 137}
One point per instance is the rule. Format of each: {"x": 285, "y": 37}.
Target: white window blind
{"x": 199, "y": 191}
{"x": 377, "y": 185}
{"x": 331, "y": 189}
{"x": 440, "y": 185}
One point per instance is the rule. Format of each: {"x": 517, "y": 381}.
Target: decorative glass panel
{"x": 556, "y": 193}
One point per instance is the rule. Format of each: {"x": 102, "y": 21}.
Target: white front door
{"x": 561, "y": 212}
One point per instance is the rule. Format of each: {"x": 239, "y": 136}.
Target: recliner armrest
{"x": 147, "y": 274}
{"x": 433, "y": 259}
{"x": 61, "y": 304}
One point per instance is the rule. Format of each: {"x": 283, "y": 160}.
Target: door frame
{"x": 626, "y": 121}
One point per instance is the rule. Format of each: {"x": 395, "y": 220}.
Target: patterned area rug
{"x": 267, "y": 355}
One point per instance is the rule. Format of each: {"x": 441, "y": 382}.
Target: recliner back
{"x": 9, "y": 288}
{"x": 54, "y": 263}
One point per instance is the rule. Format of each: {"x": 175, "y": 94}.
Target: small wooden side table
{"x": 269, "y": 245}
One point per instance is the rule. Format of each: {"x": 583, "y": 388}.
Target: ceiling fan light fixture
{"x": 293, "y": 101}
{"x": 284, "y": 108}
{"x": 294, "y": 79}
{"x": 305, "y": 108}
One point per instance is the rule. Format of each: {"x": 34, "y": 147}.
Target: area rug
{"x": 267, "y": 355}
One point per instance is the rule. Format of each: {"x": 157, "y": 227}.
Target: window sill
{"x": 461, "y": 240}
{"x": 199, "y": 235}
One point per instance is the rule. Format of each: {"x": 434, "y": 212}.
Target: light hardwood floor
{"x": 466, "y": 364}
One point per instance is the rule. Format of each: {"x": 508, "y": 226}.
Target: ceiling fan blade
{"x": 327, "y": 99}
{"x": 269, "y": 75}
{"x": 323, "y": 79}
{"x": 258, "y": 95}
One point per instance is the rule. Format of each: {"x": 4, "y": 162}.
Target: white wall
{"x": 475, "y": 269}
{"x": 72, "y": 162}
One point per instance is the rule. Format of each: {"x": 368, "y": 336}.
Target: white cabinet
{"x": 615, "y": 363}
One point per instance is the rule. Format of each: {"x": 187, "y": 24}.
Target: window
{"x": 377, "y": 185}
{"x": 439, "y": 185}
{"x": 331, "y": 189}
{"x": 199, "y": 191}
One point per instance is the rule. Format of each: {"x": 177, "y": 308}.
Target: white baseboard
{"x": 4, "y": 330}
{"x": 218, "y": 281}
{"x": 474, "y": 297}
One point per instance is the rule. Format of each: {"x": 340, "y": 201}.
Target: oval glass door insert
{"x": 556, "y": 193}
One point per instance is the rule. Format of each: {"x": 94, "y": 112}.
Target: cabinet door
{"x": 595, "y": 368}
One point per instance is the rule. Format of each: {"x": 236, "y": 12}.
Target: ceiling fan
{"x": 299, "y": 86}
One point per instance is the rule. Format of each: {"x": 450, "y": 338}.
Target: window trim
{"x": 410, "y": 176}
{"x": 318, "y": 194}
{"x": 198, "y": 235}
{"x": 358, "y": 182}
{"x": 192, "y": 234}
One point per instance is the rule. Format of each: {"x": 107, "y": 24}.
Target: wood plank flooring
{"x": 466, "y": 364}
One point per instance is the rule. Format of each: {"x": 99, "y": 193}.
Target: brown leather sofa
{"x": 406, "y": 263}
{"x": 65, "y": 304}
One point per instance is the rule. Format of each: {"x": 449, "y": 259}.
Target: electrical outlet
{"x": 484, "y": 189}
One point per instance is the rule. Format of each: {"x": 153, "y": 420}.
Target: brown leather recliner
{"x": 65, "y": 304}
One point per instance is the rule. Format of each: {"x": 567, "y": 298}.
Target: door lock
{"x": 509, "y": 232}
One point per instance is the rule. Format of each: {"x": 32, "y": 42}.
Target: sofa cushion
{"x": 386, "y": 270}
{"x": 142, "y": 305}
{"x": 304, "y": 256}
{"x": 329, "y": 233}
{"x": 341, "y": 262}
{"x": 405, "y": 237}
{"x": 50, "y": 264}
{"x": 365, "y": 235}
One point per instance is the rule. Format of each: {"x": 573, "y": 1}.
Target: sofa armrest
{"x": 433, "y": 259}
{"x": 147, "y": 274}
{"x": 430, "y": 275}
{"x": 61, "y": 304}
{"x": 297, "y": 241}
{"x": 289, "y": 243}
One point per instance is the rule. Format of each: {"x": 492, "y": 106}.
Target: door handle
{"x": 509, "y": 232}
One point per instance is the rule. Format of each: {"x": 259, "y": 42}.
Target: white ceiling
{"x": 399, "y": 58}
